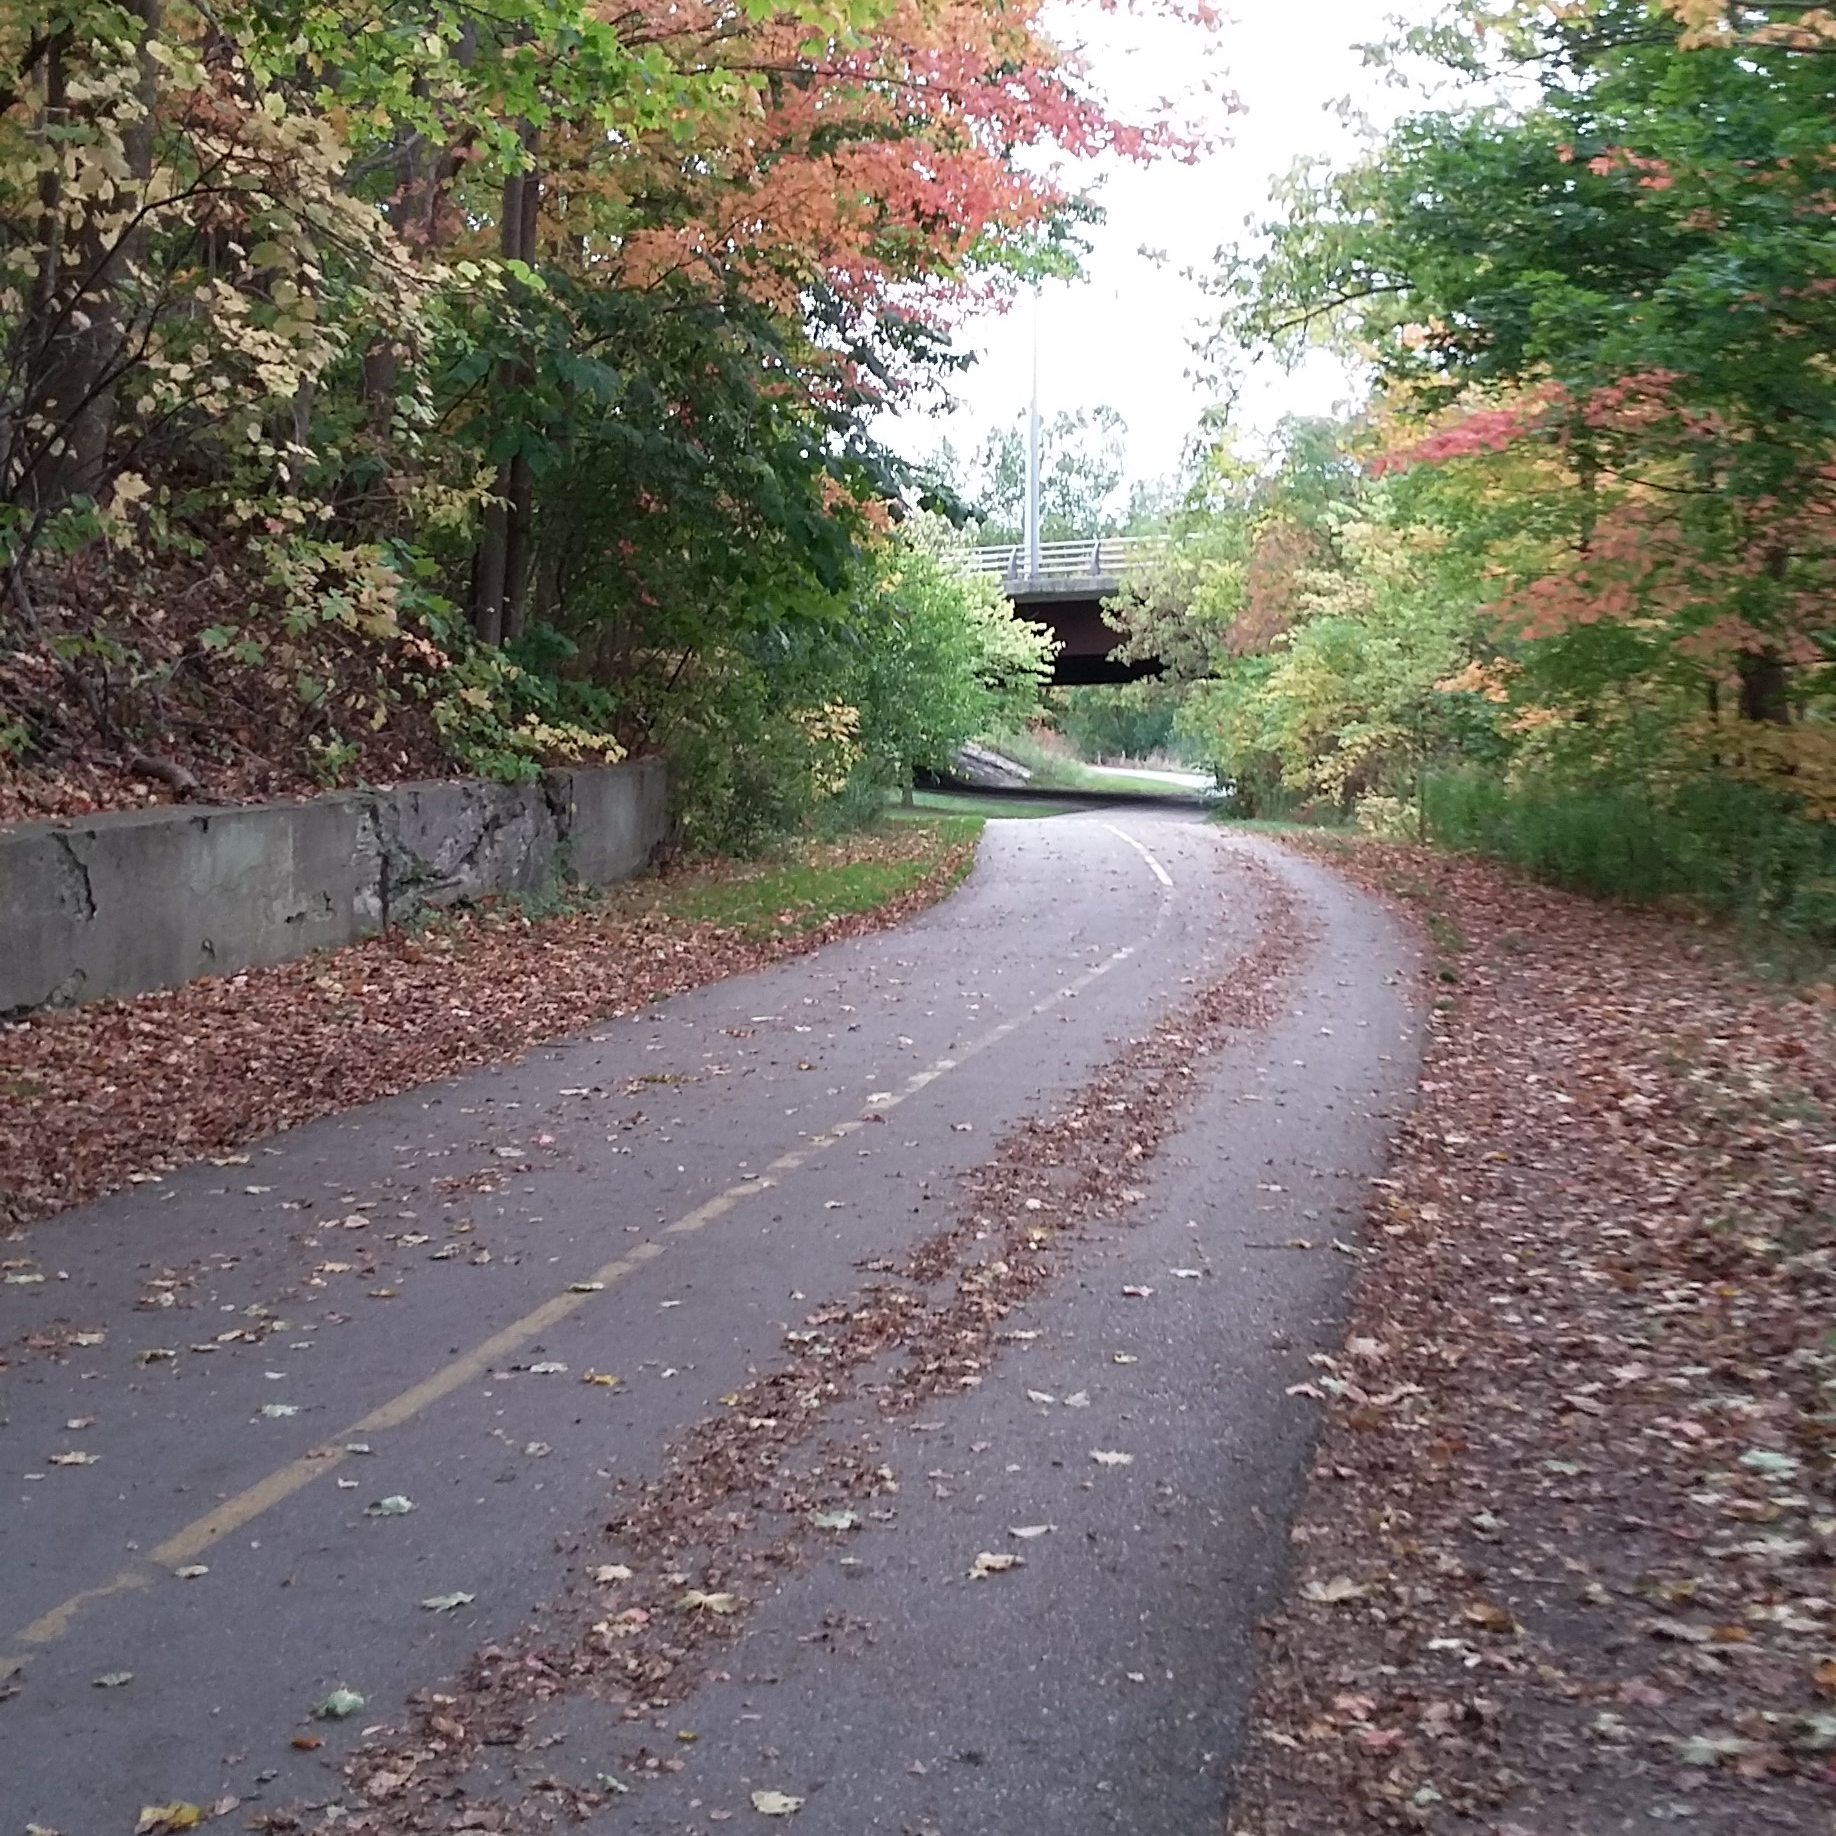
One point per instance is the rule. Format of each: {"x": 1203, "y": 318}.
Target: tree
{"x": 508, "y": 368}
{"x": 1612, "y": 308}
{"x": 1082, "y": 468}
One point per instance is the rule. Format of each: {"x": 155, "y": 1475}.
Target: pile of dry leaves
{"x": 1565, "y": 1563}
{"x": 94, "y": 1097}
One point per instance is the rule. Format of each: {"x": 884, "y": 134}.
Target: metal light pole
{"x": 1032, "y": 457}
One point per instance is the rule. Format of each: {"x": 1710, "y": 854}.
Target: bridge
{"x": 1063, "y": 585}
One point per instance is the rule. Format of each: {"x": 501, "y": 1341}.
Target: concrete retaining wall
{"x": 138, "y": 899}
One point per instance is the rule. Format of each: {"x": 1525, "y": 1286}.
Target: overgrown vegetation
{"x": 390, "y": 390}
{"x": 811, "y": 885}
{"x": 1563, "y": 591}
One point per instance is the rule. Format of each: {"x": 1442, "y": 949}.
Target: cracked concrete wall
{"x": 613, "y": 820}
{"x": 137, "y": 899}
{"x": 449, "y": 843}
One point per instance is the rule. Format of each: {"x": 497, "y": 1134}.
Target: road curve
{"x": 410, "y": 1301}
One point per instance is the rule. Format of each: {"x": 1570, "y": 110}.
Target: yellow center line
{"x": 187, "y": 1544}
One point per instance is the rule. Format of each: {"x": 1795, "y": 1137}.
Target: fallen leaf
{"x": 1764, "y": 1460}
{"x": 1332, "y": 1593}
{"x": 695, "y": 1601}
{"x": 604, "y": 1379}
{"x": 1491, "y": 1617}
{"x": 307, "y": 1743}
{"x": 986, "y": 1564}
{"x": 1680, "y": 1631}
{"x": 160, "y": 1819}
{"x": 775, "y": 1803}
{"x": 1711, "y": 1749}
{"x": 74, "y": 1459}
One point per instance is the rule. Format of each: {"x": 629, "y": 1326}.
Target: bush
{"x": 1734, "y": 849}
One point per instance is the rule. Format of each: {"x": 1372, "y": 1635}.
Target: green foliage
{"x": 941, "y": 659}
{"x": 1562, "y": 593}
{"x": 816, "y": 717}
{"x": 1733, "y": 849}
{"x": 503, "y": 378}
{"x": 1132, "y": 720}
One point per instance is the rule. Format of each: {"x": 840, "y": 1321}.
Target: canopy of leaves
{"x": 527, "y": 350}
{"x": 1585, "y": 528}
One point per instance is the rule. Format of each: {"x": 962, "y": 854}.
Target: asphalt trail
{"x": 660, "y": 1201}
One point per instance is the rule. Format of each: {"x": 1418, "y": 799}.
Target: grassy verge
{"x": 931, "y": 806}
{"x": 812, "y": 884}
{"x": 1053, "y": 771}
{"x": 1730, "y": 849}
{"x": 1281, "y": 825}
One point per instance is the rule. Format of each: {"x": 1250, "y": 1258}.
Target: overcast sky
{"x": 1123, "y": 335}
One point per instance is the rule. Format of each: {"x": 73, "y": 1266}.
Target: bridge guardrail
{"x": 1108, "y": 557}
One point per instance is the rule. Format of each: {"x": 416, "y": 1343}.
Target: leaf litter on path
{"x": 1590, "y": 1495}
{"x": 927, "y": 1330}
{"x": 98, "y": 1094}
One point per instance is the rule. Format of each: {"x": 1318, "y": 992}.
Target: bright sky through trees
{"x": 1123, "y": 336}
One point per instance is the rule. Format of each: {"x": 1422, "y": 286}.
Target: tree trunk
{"x": 501, "y": 582}
{"x": 80, "y": 373}
{"x": 1763, "y": 685}
{"x": 520, "y": 491}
